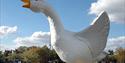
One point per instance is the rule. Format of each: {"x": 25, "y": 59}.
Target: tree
{"x": 31, "y": 55}
{"x": 21, "y": 49}
{"x": 54, "y": 57}
{"x": 44, "y": 54}
{"x": 1, "y": 57}
{"x": 120, "y": 55}
{"x": 40, "y": 55}
{"x": 13, "y": 57}
{"x": 109, "y": 58}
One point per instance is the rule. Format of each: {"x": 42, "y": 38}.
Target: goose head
{"x": 35, "y": 5}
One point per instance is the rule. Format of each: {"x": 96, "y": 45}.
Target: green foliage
{"x": 45, "y": 55}
{"x": 1, "y": 57}
{"x": 30, "y": 55}
{"x": 35, "y": 54}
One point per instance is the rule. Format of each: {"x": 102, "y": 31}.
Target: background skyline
{"x": 22, "y": 27}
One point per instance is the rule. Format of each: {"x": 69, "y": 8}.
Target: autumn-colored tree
{"x": 120, "y": 55}
{"x": 44, "y": 54}
{"x": 21, "y": 49}
{"x": 36, "y": 54}
{"x": 31, "y": 55}
{"x": 54, "y": 58}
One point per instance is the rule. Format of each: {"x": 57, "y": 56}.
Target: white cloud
{"x": 114, "y": 43}
{"x": 36, "y": 39}
{"x": 114, "y": 8}
{"x": 5, "y": 30}
{"x": 4, "y": 47}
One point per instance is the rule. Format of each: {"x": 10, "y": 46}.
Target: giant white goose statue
{"x": 85, "y": 46}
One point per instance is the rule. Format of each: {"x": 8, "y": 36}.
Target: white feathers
{"x": 97, "y": 33}
{"x": 72, "y": 47}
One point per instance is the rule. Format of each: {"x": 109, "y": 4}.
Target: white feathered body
{"x": 85, "y": 45}
{"x": 70, "y": 48}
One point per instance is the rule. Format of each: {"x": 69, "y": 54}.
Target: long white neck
{"x": 54, "y": 21}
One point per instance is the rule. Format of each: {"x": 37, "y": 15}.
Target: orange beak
{"x": 26, "y": 3}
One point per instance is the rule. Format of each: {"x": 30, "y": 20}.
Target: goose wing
{"x": 97, "y": 33}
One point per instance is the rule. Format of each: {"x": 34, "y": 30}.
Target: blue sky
{"x": 73, "y": 13}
